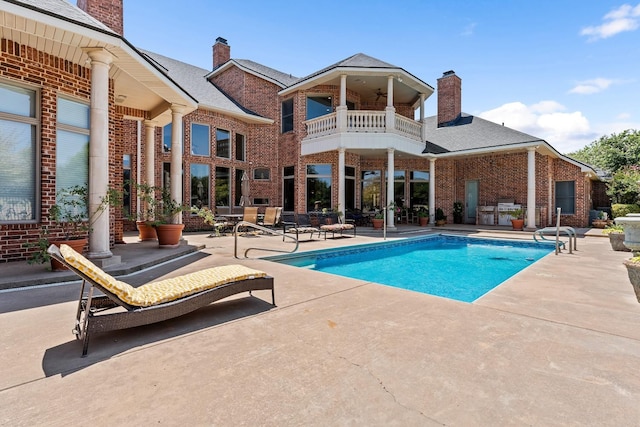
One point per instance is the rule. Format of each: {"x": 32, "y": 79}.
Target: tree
{"x": 620, "y": 156}
{"x": 612, "y": 153}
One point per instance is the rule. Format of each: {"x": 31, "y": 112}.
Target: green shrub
{"x": 620, "y": 209}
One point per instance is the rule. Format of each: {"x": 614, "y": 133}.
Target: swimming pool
{"x": 455, "y": 267}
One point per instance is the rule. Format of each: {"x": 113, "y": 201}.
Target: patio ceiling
{"x": 137, "y": 83}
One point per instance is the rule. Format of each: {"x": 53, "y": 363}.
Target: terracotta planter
{"x": 517, "y": 224}
{"x": 633, "y": 269}
{"x": 169, "y": 235}
{"x": 617, "y": 242}
{"x": 441, "y": 222}
{"x": 77, "y": 245}
{"x": 424, "y": 220}
{"x": 146, "y": 231}
{"x": 599, "y": 223}
{"x": 377, "y": 223}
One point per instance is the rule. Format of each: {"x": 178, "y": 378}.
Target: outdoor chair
{"x": 333, "y": 224}
{"x": 249, "y": 214}
{"x": 557, "y": 231}
{"x": 271, "y": 217}
{"x": 301, "y": 224}
{"x": 152, "y": 302}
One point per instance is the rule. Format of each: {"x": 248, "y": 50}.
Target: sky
{"x": 566, "y": 71}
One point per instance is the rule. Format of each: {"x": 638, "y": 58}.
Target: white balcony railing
{"x": 363, "y": 121}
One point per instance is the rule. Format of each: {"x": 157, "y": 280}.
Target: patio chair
{"x": 271, "y": 217}
{"x": 333, "y": 224}
{"x": 557, "y": 231}
{"x": 249, "y": 214}
{"x": 152, "y": 302}
{"x": 301, "y": 224}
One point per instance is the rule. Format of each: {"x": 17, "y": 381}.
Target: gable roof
{"x": 62, "y": 9}
{"x": 472, "y": 135}
{"x": 267, "y": 73}
{"x": 209, "y": 97}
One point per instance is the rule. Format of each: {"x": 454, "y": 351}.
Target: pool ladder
{"x": 264, "y": 230}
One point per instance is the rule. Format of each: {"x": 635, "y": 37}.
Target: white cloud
{"x": 588, "y": 87}
{"x": 624, "y": 18}
{"x": 469, "y": 29}
{"x": 565, "y": 131}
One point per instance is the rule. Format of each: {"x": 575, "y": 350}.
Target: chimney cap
{"x": 448, "y": 73}
{"x": 221, "y": 40}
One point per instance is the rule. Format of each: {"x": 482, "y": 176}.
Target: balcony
{"x": 363, "y": 129}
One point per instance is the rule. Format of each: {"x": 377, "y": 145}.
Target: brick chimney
{"x": 221, "y": 52}
{"x": 109, "y": 12}
{"x": 449, "y": 98}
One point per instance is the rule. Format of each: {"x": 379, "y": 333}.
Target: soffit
{"x": 137, "y": 83}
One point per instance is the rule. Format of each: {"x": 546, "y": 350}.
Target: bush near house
{"x": 620, "y": 209}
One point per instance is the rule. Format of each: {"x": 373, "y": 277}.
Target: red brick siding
{"x": 109, "y": 12}
{"x": 52, "y": 76}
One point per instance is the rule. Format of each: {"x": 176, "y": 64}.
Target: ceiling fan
{"x": 380, "y": 94}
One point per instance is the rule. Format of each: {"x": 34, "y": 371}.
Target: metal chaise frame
{"x": 93, "y": 314}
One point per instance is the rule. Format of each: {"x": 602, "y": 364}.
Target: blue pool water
{"x": 453, "y": 267}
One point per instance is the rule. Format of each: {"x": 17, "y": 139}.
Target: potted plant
{"x": 69, "y": 222}
{"x": 601, "y": 220}
{"x": 441, "y": 218}
{"x": 616, "y": 237}
{"x": 378, "y": 220}
{"x": 145, "y": 214}
{"x": 423, "y": 216}
{"x": 457, "y": 212}
{"x": 167, "y": 225}
{"x": 517, "y": 221}
{"x": 633, "y": 270}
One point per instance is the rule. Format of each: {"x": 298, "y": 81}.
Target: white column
{"x": 531, "y": 188}
{"x": 99, "y": 154}
{"x": 390, "y": 193}
{"x": 150, "y": 152}
{"x": 423, "y": 128}
{"x": 432, "y": 191}
{"x": 341, "y": 181}
{"x": 343, "y": 90}
{"x": 341, "y": 110}
{"x": 176, "y": 157}
{"x": 390, "y": 111}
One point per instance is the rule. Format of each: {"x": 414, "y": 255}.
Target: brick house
{"x": 74, "y": 91}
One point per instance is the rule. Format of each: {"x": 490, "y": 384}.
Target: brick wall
{"x": 109, "y": 12}
{"x": 52, "y": 76}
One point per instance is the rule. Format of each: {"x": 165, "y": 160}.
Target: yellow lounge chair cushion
{"x": 163, "y": 290}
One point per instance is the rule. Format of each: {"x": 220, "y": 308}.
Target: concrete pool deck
{"x": 557, "y": 344}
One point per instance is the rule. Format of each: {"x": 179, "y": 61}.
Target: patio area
{"x": 557, "y": 344}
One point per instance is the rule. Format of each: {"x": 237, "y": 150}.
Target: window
{"x": 72, "y": 144}
{"x": 18, "y": 146}
{"x": 349, "y": 188}
{"x": 262, "y": 174}
{"x": 223, "y": 149}
{"x": 287, "y": 115}
{"x": 223, "y": 187}
{"x": 261, "y": 201}
{"x": 318, "y": 106}
{"x": 200, "y": 145}
{"x": 288, "y": 188}
{"x": 126, "y": 186}
{"x": 371, "y": 190}
{"x": 566, "y": 196}
{"x": 419, "y": 189}
{"x": 240, "y": 147}
{"x": 200, "y": 185}
{"x": 398, "y": 188}
{"x": 318, "y": 187}
{"x": 238, "y": 187}
{"x": 166, "y": 138}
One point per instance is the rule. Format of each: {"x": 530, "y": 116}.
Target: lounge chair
{"x": 332, "y": 224}
{"x": 249, "y": 214}
{"x": 299, "y": 224}
{"x": 271, "y": 217}
{"x": 152, "y": 302}
{"x": 557, "y": 231}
